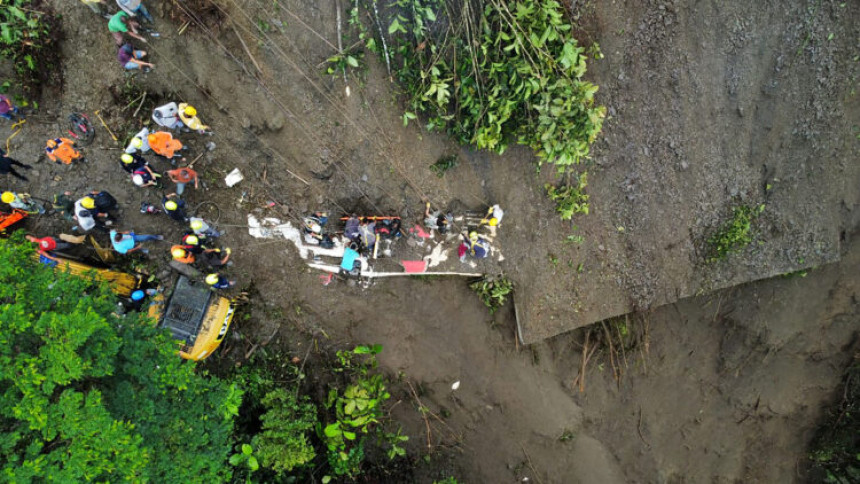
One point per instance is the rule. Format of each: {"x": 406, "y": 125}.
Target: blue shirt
{"x": 123, "y": 246}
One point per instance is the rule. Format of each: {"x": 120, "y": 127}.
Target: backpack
{"x": 105, "y": 201}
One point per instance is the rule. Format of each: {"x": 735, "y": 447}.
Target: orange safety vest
{"x": 162, "y": 143}
{"x": 63, "y": 152}
{"x": 189, "y": 257}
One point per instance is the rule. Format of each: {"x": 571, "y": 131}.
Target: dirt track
{"x": 708, "y": 105}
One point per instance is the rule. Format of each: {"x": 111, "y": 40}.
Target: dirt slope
{"x": 701, "y": 102}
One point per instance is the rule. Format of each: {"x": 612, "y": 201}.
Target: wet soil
{"x": 709, "y": 104}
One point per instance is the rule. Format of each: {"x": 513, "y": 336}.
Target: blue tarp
{"x": 349, "y": 258}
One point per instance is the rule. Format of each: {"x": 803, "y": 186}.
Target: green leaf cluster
{"x": 87, "y": 395}
{"x": 570, "y": 199}
{"x": 26, "y": 37}
{"x": 493, "y": 291}
{"x": 835, "y": 451}
{"x": 735, "y": 234}
{"x": 496, "y": 72}
{"x": 284, "y": 443}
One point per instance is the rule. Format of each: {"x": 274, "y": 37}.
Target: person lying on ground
{"x": 126, "y": 242}
{"x": 174, "y": 207}
{"x": 135, "y": 8}
{"x": 130, "y": 58}
{"x": 218, "y": 281}
{"x": 62, "y": 150}
{"x": 181, "y": 255}
{"x": 47, "y": 244}
{"x": 7, "y": 109}
{"x": 139, "y": 142}
{"x": 188, "y": 115}
{"x": 145, "y": 177}
{"x": 162, "y": 143}
{"x": 217, "y": 257}
{"x": 436, "y": 220}
{"x": 132, "y": 162}
{"x": 202, "y": 229}
{"x": 6, "y": 164}
{"x": 473, "y": 245}
{"x": 183, "y": 176}
{"x": 121, "y": 22}
{"x": 167, "y": 116}
{"x": 64, "y": 205}
{"x": 22, "y": 201}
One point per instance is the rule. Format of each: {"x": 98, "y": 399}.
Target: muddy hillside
{"x": 634, "y": 354}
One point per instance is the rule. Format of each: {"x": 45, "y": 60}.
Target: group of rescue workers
{"x": 99, "y": 209}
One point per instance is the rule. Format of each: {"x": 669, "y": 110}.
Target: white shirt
{"x": 144, "y": 136}
{"x": 85, "y": 220}
{"x": 130, "y": 6}
{"x": 498, "y": 213}
{"x": 167, "y": 116}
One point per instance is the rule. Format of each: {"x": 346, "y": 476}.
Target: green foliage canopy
{"x": 88, "y": 395}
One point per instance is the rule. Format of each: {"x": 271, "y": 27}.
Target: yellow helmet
{"x": 52, "y": 143}
{"x": 88, "y": 202}
{"x": 137, "y": 142}
{"x": 170, "y": 205}
{"x": 192, "y": 240}
{"x": 190, "y": 111}
{"x": 196, "y": 224}
{"x": 494, "y": 221}
{"x": 212, "y": 279}
{"x": 178, "y": 253}
{"x": 7, "y": 197}
{"x": 126, "y": 158}
{"x": 473, "y": 236}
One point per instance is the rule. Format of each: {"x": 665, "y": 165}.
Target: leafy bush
{"x": 284, "y": 441}
{"x": 444, "y": 164}
{"x": 835, "y": 452}
{"x": 735, "y": 234}
{"x": 88, "y": 395}
{"x": 493, "y": 291}
{"x": 495, "y": 72}
{"x": 570, "y": 199}
{"x": 29, "y": 36}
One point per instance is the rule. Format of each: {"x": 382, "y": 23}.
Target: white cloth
{"x": 144, "y": 136}
{"x": 498, "y": 213}
{"x": 167, "y": 116}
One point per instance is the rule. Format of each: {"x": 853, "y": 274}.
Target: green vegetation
{"x": 284, "y": 442}
{"x": 444, "y": 164}
{"x": 570, "y": 199}
{"x": 493, "y": 291}
{"x": 29, "y": 37}
{"x": 735, "y": 234}
{"x": 835, "y": 452}
{"x": 91, "y": 396}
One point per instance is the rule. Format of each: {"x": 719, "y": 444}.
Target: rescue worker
{"x": 22, "y": 201}
{"x": 132, "y": 162}
{"x": 135, "y": 8}
{"x": 183, "y": 176}
{"x": 61, "y": 150}
{"x": 85, "y": 219}
{"x": 180, "y": 254}
{"x": 47, "y": 244}
{"x": 217, "y": 257}
{"x": 218, "y": 281}
{"x": 88, "y": 203}
{"x": 188, "y": 114}
{"x": 126, "y": 242}
{"x": 473, "y": 245}
{"x": 139, "y": 142}
{"x": 162, "y": 143}
{"x": 64, "y": 204}
{"x": 193, "y": 244}
{"x": 120, "y": 23}
{"x": 8, "y": 110}
{"x": 167, "y": 116}
{"x": 104, "y": 202}
{"x": 7, "y": 163}
{"x": 313, "y": 232}
{"x": 202, "y": 229}
{"x": 145, "y": 177}
{"x": 351, "y": 230}
{"x": 494, "y": 216}
{"x": 175, "y": 209}
{"x": 367, "y": 234}
{"x": 436, "y": 220}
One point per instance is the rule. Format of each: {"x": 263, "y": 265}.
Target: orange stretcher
{"x": 9, "y": 219}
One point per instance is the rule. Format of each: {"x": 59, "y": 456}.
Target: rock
{"x": 210, "y": 145}
{"x": 277, "y": 122}
{"x": 684, "y": 165}
{"x": 246, "y": 122}
{"x": 364, "y": 177}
